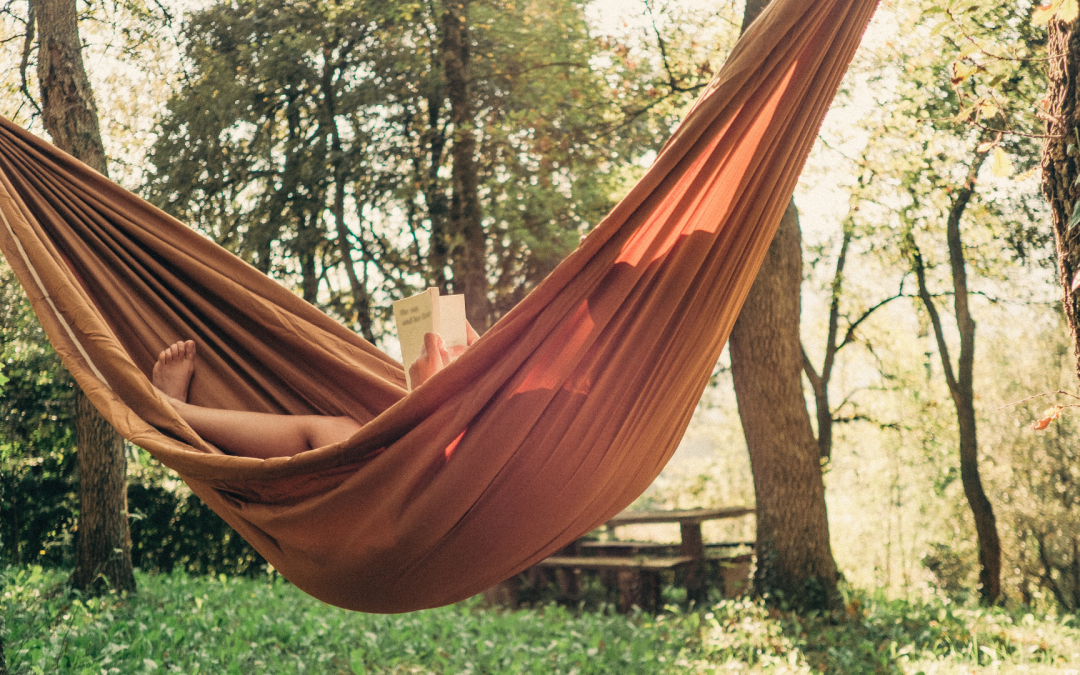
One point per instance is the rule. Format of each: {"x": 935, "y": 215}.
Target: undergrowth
{"x": 182, "y": 624}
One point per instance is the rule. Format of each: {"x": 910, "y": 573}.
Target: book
{"x": 429, "y": 312}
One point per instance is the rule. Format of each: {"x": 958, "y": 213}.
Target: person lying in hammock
{"x": 265, "y": 435}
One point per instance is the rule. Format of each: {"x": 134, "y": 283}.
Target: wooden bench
{"x": 638, "y": 579}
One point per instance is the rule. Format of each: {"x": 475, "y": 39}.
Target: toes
{"x": 178, "y": 351}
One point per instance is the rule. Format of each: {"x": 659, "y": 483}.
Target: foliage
{"x": 220, "y": 625}
{"x": 171, "y": 528}
{"x": 315, "y": 140}
{"x": 37, "y": 466}
{"x": 1039, "y": 474}
{"x": 39, "y": 495}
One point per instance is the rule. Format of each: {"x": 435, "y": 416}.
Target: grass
{"x": 191, "y": 625}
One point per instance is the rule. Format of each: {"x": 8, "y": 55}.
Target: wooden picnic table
{"x": 635, "y": 566}
{"x": 692, "y": 545}
{"x": 689, "y": 521}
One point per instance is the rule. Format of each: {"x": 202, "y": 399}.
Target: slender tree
{"x": 795, "y": 561}
{"x": 70, "y": 117}
{"x": 837, "y": 339}
{"x": 961, "y": 379}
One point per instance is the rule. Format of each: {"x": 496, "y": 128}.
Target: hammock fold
{"x": 553, "y": 422}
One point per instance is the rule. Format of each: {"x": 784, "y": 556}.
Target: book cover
{"x": 429, "y": 312}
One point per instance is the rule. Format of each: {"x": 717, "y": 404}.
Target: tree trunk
{"x": 469, "y": 241}
{"x": 104, "y": 546}
{"x": 70, "y": 116}
{"x": 794, "y": 559}
{"x": 1061, "y": 166}
{"x": 961, "y": 383}
{"x": 3, "y": 625}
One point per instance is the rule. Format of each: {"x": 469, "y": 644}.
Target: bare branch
{"x": 28, "y": 46}
{"x": 1059, "y": 392}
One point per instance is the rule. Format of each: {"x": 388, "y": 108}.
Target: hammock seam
{"x": 48, "y": 298}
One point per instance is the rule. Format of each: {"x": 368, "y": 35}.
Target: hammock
{"x": 553, "y": 422}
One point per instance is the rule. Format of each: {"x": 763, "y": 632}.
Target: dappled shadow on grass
{"x": 881, "y": 636}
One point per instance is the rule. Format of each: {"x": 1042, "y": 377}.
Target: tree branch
{"x": 935, "y": 320}
{"x": 28, "y": 46}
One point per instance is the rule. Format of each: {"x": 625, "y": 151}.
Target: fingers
{"x": 433, "y": 357}
{"x": 470, "y": 334}
{"x": 435, "y": 349}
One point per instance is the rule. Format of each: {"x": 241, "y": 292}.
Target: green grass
{"x": 191, "y": 625}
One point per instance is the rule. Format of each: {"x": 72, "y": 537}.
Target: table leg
{"x": 694, "y": 547}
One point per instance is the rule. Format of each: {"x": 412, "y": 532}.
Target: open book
{"x": 429, "y": 312}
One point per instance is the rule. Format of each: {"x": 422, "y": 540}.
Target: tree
{"x": 950, "y": 135}
{"x": 384, "y": 147}
{"x": 795, "y": 561}
{"x": 70, "y": 117}
{"x": 1060, "y": 163}
{"x": 960, "y": 380}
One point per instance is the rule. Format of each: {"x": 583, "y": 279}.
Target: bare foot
{"x": 174, "y": 368}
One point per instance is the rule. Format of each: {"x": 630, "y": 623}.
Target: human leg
{"x": 240, "y": 432}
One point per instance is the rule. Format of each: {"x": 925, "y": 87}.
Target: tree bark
{"x": 468, "y": 238}
{"x": 961, "y": 384}
{"x": 70, "y": 117}
{"x": 794, "y": 558}
{"x": 1061, "y": 164}
{"x": 104, "y": 543}
{"x": 3, "y": 625}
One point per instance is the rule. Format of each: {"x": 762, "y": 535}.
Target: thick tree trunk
{"x": 3, "y": 625}
{"x": 1061, "y": 163}
{"x": 794, "y": 558}
{"x": 104, "y": 548}
{"x": 70, "y": 116}
{"x": 469, "y": 240}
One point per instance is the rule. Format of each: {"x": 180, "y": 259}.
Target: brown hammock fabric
{"x": 558, "y": 418}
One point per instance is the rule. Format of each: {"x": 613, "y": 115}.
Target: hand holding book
{"x": 434, "y": 356}
{"x": 433, "y": 332}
